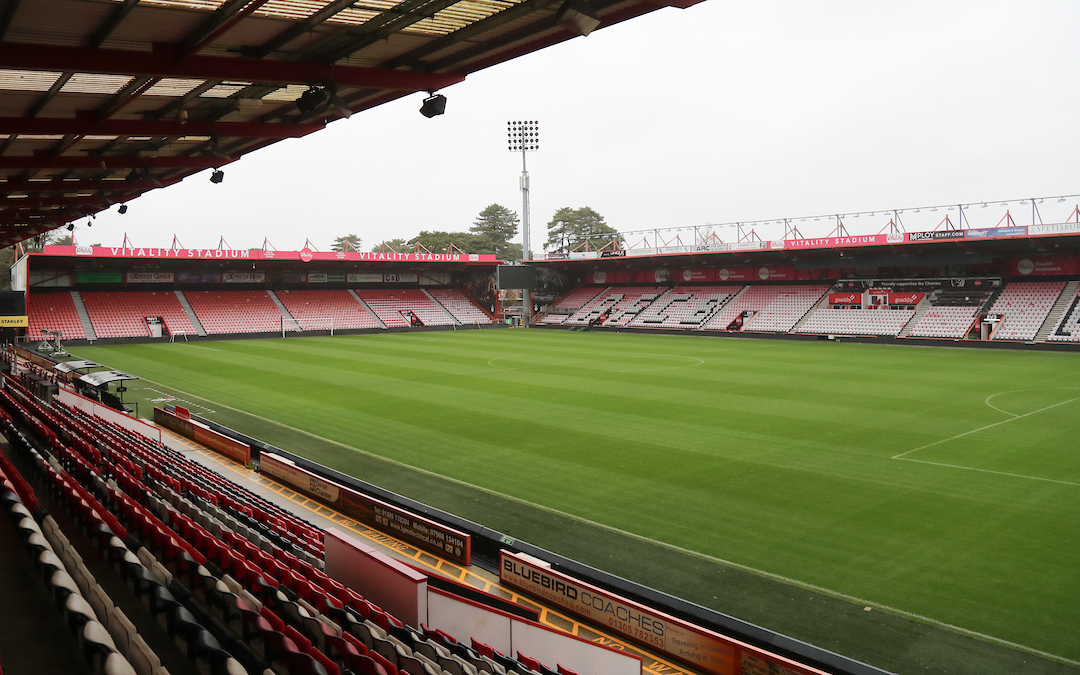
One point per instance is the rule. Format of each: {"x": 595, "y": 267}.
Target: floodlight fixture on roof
{"x": 217, "y": 176}
{"x": 434, "y": 104}
{"x": 123, "y": 209}
{"x": 310, "y": 100}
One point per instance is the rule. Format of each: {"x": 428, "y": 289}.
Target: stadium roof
{"x": 102, "y": 100}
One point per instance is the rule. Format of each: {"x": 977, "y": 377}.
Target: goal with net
{"x": 293, "y": 325}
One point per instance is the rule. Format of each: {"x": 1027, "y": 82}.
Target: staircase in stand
{"x": 84, "y": 316}
{"x": 290, "y": 321}
{"x": 1054, "y": 317}
{"x": 921, "y": 309}
{"x": 199, "y": 330}
{"x": 365, "y": 306}
{"x": 441, "y": 306}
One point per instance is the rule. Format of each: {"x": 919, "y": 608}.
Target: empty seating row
{"x": 235, "y": 311}
{"x": 945, "y": 322}
{"x": 395, "y": 307}
{"x": 226, "y": 598}
{"x": 463, "y": 308}
{"x": 685, "y": 307}
{"x": 124, "y": 314}
{"x": 827, "y": 320}
{"x": 340, "y": 307}
{"x": 1068, "y": 328}
{"x": 52, "y": 311}
{"x": 1024, "y": 307}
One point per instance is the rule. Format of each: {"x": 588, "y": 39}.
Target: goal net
{"x": 307, "y": 324}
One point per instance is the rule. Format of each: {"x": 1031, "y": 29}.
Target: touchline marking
{"x": 673, "y": 547}
{"x": 988, "y": 426}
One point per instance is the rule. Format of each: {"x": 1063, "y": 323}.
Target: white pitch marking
{"x": 1000, "y": 473}
{"x": 988, "y": 426}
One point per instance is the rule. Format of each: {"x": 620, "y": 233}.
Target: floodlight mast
{"x": 524, "y": 136}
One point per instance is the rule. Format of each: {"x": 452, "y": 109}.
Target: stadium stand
{"x": 775, "y": 308}
{"x": 394, "y": 306}
{"x": 339, "y": 306}
{"x": 236, "y": 582}
{"x": 575, "y": 299}
{"x": 685, "y": 307}
{"x": 124, "y": 314}
{"x": 461, "y": 307}
{"x": 830, "y": 321}
{"x": 1024, "y": 307}
{"x": 235, "y": 311}
{"x": 613, "y": 302}
{"x": 52, "y": 311}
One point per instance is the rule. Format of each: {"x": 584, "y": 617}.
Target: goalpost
{"x": 306, "y": 324}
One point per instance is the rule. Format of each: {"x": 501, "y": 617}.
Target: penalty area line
{"x": 674, "y": 547}
{"x": 984, "y": 428}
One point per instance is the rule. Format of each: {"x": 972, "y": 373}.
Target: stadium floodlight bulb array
{"x": 522, "y": 136}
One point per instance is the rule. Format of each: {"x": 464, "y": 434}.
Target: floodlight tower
{"x": 524, "y": 137}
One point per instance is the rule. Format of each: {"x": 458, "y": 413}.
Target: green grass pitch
{"x": 935, "y": 483}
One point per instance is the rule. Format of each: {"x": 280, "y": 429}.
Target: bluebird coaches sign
{"x": 709, "y": 651}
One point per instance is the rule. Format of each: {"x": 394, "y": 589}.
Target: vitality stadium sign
{"x": 698, "y": 646}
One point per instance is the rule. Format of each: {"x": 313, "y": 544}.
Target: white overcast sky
{"x": 723, "y": 112}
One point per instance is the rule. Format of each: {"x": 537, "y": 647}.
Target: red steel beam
{"x": 85, "y": 185}
{"x": 82, "y": 126}
{"x": 164, "y": 64}
{"x": 112, "y": 162}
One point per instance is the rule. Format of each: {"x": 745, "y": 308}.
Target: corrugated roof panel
{"x": 27, "y": 80}
{"x": 458, "y": 16}
{"x": 287, "y": 93}
{"x": 225, "y": 89}
{"x": 172, "y": 86}
{"x": 205, "y": 5}
{"x": 94, "y": 83}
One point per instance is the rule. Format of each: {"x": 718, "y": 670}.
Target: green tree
{"x": 349, "y": 242}
{"x": 497, "y": 223}
{"x": 437, "y": 241}
{"x": 398, "y": 245}
{"x": 569, "y": 227}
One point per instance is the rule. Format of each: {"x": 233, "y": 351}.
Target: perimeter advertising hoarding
{"x": 845, "y": 298}
{"x": 98, "y": 278}
{"x": 1018, "y": 231}
{"x": 779, "y": 273}
{"x": 697, "y": 275}
{"x": 149, "y": 277}
{"x": 259, "y": 254}
{"x": 1044, "y": 266}
{"x": 906, "y": 298}
{"x": 243, "y": 278}
{"x": 935, "y": 236}
{"x": 698, "y": 646}
{"x": 1056, "y": 228}
{"x": 187, "y": 428}
{"x": 411, "y": 528}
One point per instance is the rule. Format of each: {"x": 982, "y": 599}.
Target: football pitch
{"x": 938, "y": 485}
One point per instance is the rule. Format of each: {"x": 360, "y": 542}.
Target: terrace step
{"x": 84, "y": 316}
{"x": 441, "y": 306}
{"x": 1057, "y": 311}
{"x": 199, "y": 330}
{"x": 922, "y": 308}
{"x": 365, "y": 306}
{"x": 290, "y": 321}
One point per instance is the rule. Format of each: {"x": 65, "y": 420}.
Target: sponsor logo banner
{"x": 243, "y": 277}
{"x": 98, "y": 278}
{"x": 703, "y": 648}
{"x": 997, "y": 232}
{"x": 400, "y": 278}
{"x": 747, "y": 246}
{"x": 285, "y": 470}
{"x": 599, "y": 277}
{"x": 1057, "y": 228}
{"x": 198, "y": 277}
{"x": 612, "y": 254}
{"x": 781, "y": 273}
{"x": 674, "y": 249}
{"x": 698, "y": 275}
{"x": 705, "y": 248}
{"x": 935, "y": 236}
{"x": 1045, "y": 266}
{"x": 14, "y": 321}
{"x": 845, "y": 298}
{"x": 735, "y": 274}
{"x": 831, "y": 242}
{"x": 364, "y": 278}
{"x": 258, "y": 254}
{"x": 316, "y": 277}
{"x": 149, "y": 277}
{"x": 556, "y": 256}
{"x": 906, "y": 298}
